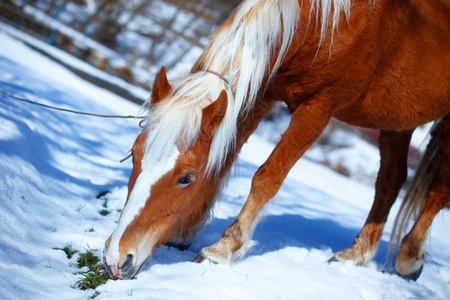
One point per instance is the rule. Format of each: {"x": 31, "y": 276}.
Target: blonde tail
{"x": 416, "y": 196}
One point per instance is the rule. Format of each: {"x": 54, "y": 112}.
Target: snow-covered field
{"x": 54, "y": 164}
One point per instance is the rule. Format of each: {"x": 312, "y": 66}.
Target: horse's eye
{"x": 185, "y": 180}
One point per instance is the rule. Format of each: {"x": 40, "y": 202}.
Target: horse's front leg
{"x": 391, "y": 176}
{"x": 307, "y": 123}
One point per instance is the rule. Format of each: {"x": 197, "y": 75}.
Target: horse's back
{"x": 387, "y": 67}
{"x": 411, "y": 82}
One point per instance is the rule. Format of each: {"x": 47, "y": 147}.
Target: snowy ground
{"x": 53, "y": 165}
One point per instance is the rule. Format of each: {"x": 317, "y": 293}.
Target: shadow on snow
{"x": 42, "y": 133}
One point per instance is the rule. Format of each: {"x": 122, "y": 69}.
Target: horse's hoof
{"x": 333, "y": 259}
{"x": 413, "y": 276}
{"x": 199, "y": 259}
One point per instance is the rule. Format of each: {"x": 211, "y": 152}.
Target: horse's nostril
{"x": 127, "y": 266}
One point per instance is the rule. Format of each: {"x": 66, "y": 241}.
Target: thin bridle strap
{"x": 223, "y": 78}
{"x": 219, "y": 75}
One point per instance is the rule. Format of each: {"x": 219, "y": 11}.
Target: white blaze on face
{"x": 150, "y": 174}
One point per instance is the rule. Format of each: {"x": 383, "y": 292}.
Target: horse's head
{"x": 169, "y": 188}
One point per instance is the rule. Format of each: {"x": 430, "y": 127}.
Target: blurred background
{"x": 131, "y": 40}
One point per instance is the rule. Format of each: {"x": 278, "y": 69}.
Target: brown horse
{"x": 379, "y": 64}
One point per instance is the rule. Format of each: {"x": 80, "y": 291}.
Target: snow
{"x": 71, "y": 61}
{"x": 53, "y": 165}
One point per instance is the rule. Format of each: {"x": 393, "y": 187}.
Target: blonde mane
{"x": 241, "y": 51}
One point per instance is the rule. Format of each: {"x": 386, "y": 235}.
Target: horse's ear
{"x": 213, "y": 114}
{"x": 161, "y": 86}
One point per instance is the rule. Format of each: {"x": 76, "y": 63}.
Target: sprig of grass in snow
{"x": 88, "y": 259}
{"x": 95, "y": 276}
{"x": 68, "y": 250}
{"x": 102, "y": 196}
{"x": 95, "y": 294}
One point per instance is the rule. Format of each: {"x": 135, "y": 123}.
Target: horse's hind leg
{"x": 391, "y": 176}
{"x": 410, "y": 259}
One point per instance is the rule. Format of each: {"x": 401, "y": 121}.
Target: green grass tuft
{"x": 68, "y": 250}
{"x": 87, "y": 259}
{"x": 104, "y": 212}
{"x": 96, "y": 274}
{"x": 95, "y": 294}
{"x": 93, "y": 278}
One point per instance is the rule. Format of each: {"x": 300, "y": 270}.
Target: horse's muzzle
{"x": 126, "y": 271}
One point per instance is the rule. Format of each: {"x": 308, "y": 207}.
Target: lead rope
{"x": 70, "y": 110}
